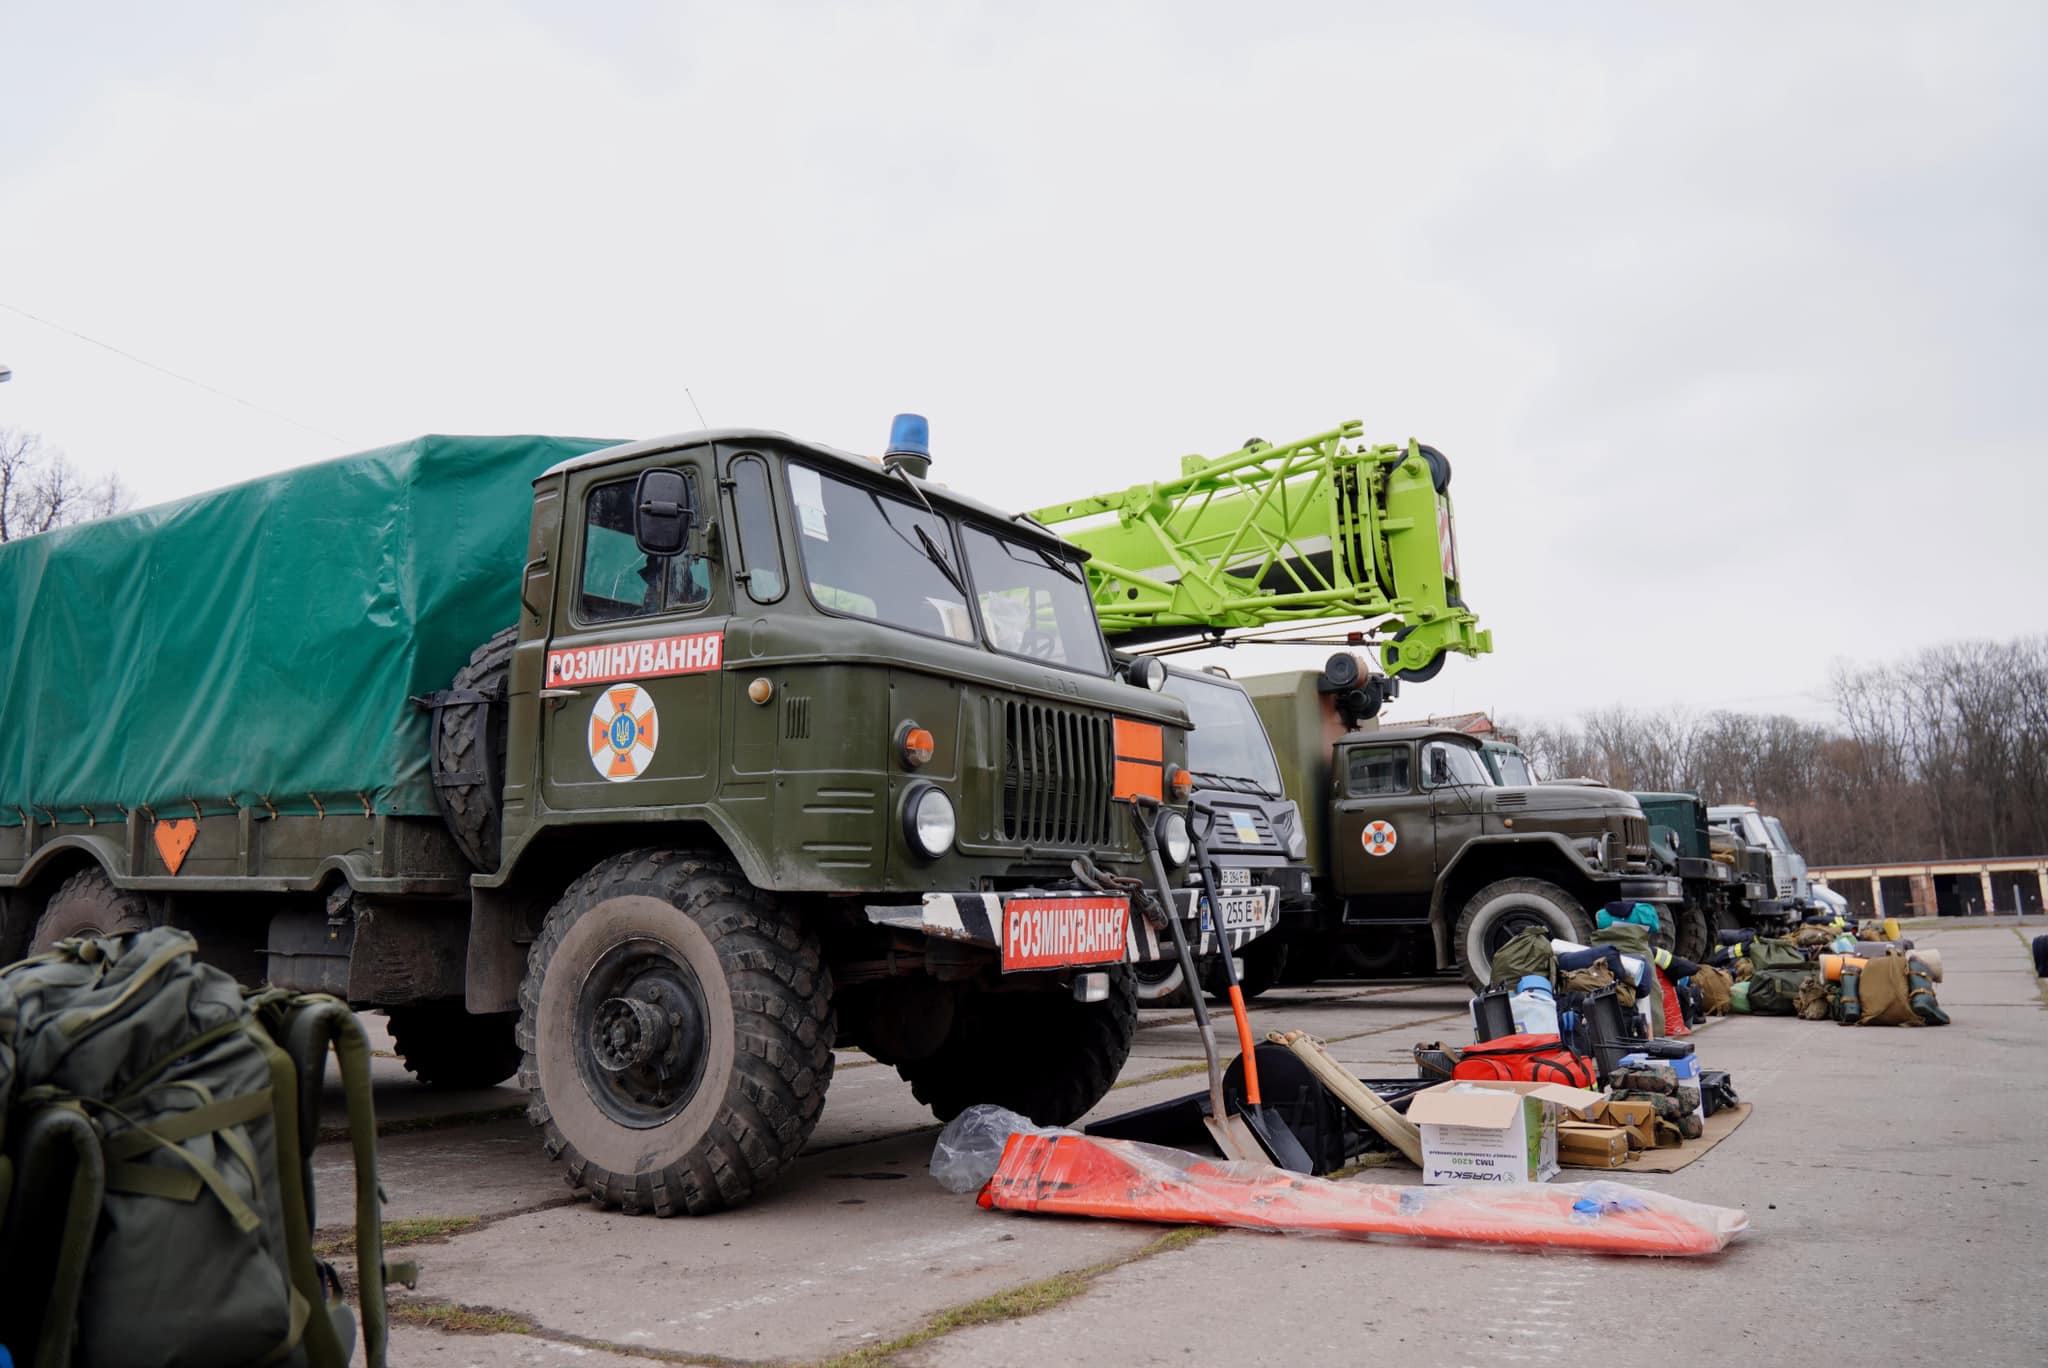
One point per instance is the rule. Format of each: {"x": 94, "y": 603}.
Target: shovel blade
{"x": 1236, "y": 1140}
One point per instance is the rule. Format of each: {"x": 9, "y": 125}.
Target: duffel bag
{"x": 1525, "y": 1059}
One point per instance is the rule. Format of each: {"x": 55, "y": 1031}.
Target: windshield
{"x": 872, "y": 555}
{"x": 1463, "y": 763}
{"x": 1227, "y": 741}
{"x": 1513, "y": 769}
{"x": 1778, "y": 836}
{"x": 1034, "y": 602}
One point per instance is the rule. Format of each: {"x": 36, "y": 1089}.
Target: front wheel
{"x": 88, "y": 904}
{"x": 1160, "y": 983}
{"x": 677, "y": 1027}
{"x": 1492, "y": 916}
{"x": 1695, "y": 933}
{"x": 1036, "y": 1052}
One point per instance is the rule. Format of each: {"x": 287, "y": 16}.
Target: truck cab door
{"x": 1382, "y": 834}
{"x": 630, "y": 697}
{"x": 1457, "y": 803}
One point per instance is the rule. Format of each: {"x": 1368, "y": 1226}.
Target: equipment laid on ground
{"x": 1063, "y": 1173}
{"x": 680, "y": 761}
{"x": 162, "y": 1125}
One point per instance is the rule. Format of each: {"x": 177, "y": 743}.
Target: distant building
{"x": 1474, "y": 724}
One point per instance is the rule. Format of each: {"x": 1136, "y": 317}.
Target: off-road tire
{"x": 768, "y": 1029}
{"x": 469, "y": 740}
{"x": 1485, "y": 909}
{"x": 448, "y": 1048}
{"x": 88, "y": 904}
{"x": 1695, "y": 933}
{"x": 1039, "y": 1053}
{"x": 1163, "y": 985}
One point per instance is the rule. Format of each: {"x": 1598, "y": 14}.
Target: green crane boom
{"x": 1317, "y": 530}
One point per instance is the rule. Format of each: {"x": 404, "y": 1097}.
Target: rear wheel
{"x": 1492, "y": 917}
{"x": 677, "y": 1026}
{"x": 88, "y": 904}
{"x": 1040, "y": 1053}
{"x": 447, "y": 1047}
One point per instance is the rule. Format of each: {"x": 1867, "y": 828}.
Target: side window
{"x": 760, "y": 550}
{"x": 619, "y": 581}
{"x": 1378, "y": 772}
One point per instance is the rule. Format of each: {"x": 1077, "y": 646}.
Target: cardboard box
{"x": 1585, "y": 1144}
{"x": 1493, "y": 1132}
{"x": 1638, "y": 1120}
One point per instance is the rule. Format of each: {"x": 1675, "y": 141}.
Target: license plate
{"x": 1050, "y": 933}
{"x": 1235, "y": 878}
{"x": 1239, "y": 914}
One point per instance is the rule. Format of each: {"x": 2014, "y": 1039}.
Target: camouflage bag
{"x": 1527, "y": 952}
{"x": 193, "y": 1127}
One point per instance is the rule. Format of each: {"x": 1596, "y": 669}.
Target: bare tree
{"x": 41, "y": 490}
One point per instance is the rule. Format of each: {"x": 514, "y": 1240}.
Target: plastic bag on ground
{"x": 971, "y": 1145}
{"x": 1064, "y": 1173}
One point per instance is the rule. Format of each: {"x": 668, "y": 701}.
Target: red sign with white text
{"x": 694, "y": 654}
{"x": 1047, "y": 933}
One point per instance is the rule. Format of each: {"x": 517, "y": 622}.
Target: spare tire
{"x": 469, "y": 749}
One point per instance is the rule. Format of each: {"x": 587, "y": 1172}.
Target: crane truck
{"x": 647, "y": 771}
{"x": 1406, "y": 838}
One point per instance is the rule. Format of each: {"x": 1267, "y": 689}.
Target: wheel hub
{"x": 640, "y": 1025}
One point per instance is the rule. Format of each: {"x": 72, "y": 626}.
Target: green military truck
{"x": 1727, "y": 883}
{"x": 1247, "y": 827}
{"x": 1414, "y": 843}
{"x": 648, "y": 771}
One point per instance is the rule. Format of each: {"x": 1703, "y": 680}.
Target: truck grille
{"x": 1056, "y": 777}
{"x": 1635, "y": 839}
{"x": 1224, "y": 835}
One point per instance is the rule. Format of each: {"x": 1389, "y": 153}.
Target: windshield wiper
{"x": 1060, "y": 566}
{"x": 924, "y": 538}
{"x": 1236, "y": 782}
{"x": 938, "y": 558}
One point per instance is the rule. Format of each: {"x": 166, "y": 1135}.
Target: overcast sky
{"x": 1730, "y": 319}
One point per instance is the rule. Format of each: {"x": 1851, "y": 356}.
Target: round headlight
{"x": 1147, "y": 672}
{"x": 1174, "y": 842}
{"x": 928, "y": 822}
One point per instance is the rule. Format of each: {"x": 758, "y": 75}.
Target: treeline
{"x": 1941, "y": 756}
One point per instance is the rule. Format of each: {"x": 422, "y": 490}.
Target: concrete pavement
{"x": 1893, "y": 1180}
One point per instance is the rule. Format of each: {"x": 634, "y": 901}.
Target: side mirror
{"x": 1439, "y": 767}
{"x": 662, "y": 512}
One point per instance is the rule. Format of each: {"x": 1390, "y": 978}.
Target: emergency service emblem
{"x": 622, "y": 732}
{"x": 1378, "y": 838}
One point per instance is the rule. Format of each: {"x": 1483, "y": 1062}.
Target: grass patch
{"x": 416, "y": 1230}
{"x": 1028, "y": 1300}
{"x": 461, "y": 1320}
{"x": 1178, "y": 1071}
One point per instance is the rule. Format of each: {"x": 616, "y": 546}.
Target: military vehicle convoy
{"x": 650, "y": 771}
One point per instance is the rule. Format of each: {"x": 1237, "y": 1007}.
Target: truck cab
{"x": 1248, "y": 828}
{"x": 1789, "y": 889}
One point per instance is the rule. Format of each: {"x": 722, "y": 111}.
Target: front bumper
{"x": 1030, "y": 930}
{"x": 1650, "y": 888}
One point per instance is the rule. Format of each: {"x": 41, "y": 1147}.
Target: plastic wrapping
{"x": 261, "y": 642}
{"x": 1063, "y": 1173}
{"x": 971, "y": 1145}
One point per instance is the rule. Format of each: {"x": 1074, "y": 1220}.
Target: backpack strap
{"x": 318, "y": 1023}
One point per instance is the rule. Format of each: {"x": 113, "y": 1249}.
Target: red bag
{"x": 1525, "y": 1059}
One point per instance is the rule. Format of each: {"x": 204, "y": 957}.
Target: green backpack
{"x": 1526, "y": 952}
{"x": 161, "y": 1123}
{"x": 1777, "y": 972}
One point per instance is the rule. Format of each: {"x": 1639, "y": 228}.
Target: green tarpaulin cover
{"x": 262, "y": 641}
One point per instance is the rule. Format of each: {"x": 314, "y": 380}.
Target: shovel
{"x": 1232, "y": 1134}
{"x": 1275, "y": 1136}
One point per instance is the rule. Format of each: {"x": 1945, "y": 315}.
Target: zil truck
{"x": 1420, "y": 854}
{"x": 648, "y": 771}
{"x": 1727, "y": 878}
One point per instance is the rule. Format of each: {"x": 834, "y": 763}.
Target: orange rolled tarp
{"x": 1066, "y": 1174}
